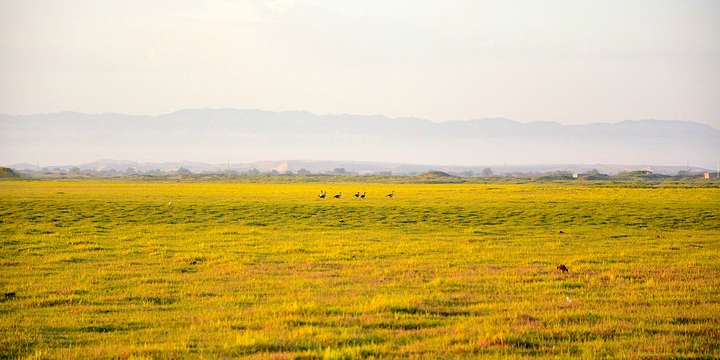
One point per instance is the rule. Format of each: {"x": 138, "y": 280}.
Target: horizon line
{"x": 363, "y": 162}
{"x": 356, "y": 115}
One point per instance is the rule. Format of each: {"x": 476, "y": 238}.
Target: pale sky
{"x": 571, "y": 61}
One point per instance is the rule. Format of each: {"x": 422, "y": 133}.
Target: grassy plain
{"x": 109, "y": 269}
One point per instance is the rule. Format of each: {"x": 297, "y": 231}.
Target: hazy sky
{"x": 572, "y": 61}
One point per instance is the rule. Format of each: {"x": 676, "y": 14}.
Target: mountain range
{"x": 233, "y": 136}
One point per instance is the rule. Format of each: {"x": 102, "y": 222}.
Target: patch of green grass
{"x": 110, "y": 269}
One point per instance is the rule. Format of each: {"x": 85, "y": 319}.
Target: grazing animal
{"x": 390, "y": 195}
{"x": 562, "y": 232}
{"x": 322, "y": 194}
{"x": 562, "y": 268}
{"x": 357, "y": 195}
{"x": 363, "y": 195}
{"x": 338, "y": 195}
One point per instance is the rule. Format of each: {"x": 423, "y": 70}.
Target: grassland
{"x": 107, "y": 269}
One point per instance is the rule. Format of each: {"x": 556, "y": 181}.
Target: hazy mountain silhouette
{"x": 231, "y": 135}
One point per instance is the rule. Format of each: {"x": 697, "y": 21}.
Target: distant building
{"x": 706, "y": 175}
{"x": 575, "y": 175}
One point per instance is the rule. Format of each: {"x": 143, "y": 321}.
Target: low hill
{"x": 439, "y": 177}
{"x": 435, "y": 174}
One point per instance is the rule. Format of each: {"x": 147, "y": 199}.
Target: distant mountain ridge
{"x": 218, "y": 136}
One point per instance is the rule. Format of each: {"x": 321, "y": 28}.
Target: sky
{"x": 570, "y": 61}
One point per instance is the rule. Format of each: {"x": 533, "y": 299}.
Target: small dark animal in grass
{"x": 562, "y": 268}
{"x": 357, "y": 195}
{"x": 338, "y": 195}
{"x": 390, "y": 195}
{"x": 562, "y": 232}
{"x": 9, "y": 295}
{"x": 363, "y": 195}
{"x": 322, "y": 194}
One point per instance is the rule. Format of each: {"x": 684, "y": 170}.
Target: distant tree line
{"x": 433, "y": 175}
{"x": 8, "y": 173}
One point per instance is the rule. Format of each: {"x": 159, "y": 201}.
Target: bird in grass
{"x": 322, "y": 194}
{"x": 562, "y": 268}
{"x": 357, "y": 195}
{"x": 169, "y": 202}
{"x": 390, "y": 195}
{"x": 363, "y": 195}
{"x": 338, "y": 195}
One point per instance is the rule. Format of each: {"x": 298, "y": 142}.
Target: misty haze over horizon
{"x": 579, "y": 63}
{"x": 218, "y": 136}
{"x": 574, "y": 61}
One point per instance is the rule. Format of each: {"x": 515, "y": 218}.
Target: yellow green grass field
{"x": 110, "y": 269}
